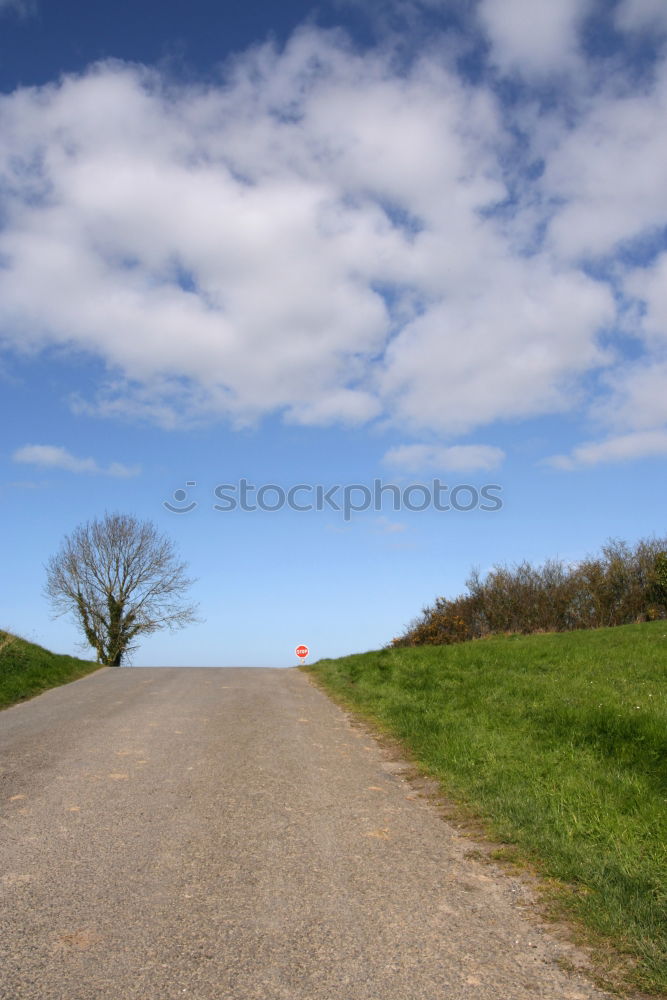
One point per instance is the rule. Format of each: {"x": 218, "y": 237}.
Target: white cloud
{"x": 26, "y": 484}
{"x": 636, "y": 397}
{"x": 623, "y": 448}
{"x": 54, "y": 457}
{"x": 439, "y": 458}
{"x": 607, "y": 172}
{"x": 513, "y": 351}
{"x": 388, "y": 527}
{"x": 650, "y": 286}
{"x": 535, "y": 38}
{"x": 23, "y": 7}
{"x": 319, "y": 236}
{"x": 641, "y": 15}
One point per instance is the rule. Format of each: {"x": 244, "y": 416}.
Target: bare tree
{"x": 120, "y": 579}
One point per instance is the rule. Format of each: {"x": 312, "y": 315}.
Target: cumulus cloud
{"x": 55, "y": 457}
{"x": 641, "y": 15}
{"x": 514, "y": 351}
{"x": 253, "y": 247}
{"x": 323, "y": 236}
{"x": 649, "y": 285}
{"x": 636, "y": 397}
{"x": 606, "y": 172}
{"x": 440, "y": 458}
{"x": 535, "y": 38}
{"x": 623, "y": 448}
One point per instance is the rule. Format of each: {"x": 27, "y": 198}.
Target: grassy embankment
{"x": 558, "y": 744}
{"x": 27, "y": 669}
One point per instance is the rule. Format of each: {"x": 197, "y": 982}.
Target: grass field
{"x": 558, "y": 743}
{"x": 27, "y": 669}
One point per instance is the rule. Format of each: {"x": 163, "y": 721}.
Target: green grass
{"x": 558, "y": 743}
{"x": 27, "y": 669}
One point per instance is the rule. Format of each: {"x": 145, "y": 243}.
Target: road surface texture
{"x": 232, "y": 834}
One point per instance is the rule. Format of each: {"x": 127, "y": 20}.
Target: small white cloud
{"x": 537, "y": 37}
{"x": 641, "y": 15}
{"x": 607, "y": 171}
{"x": 23, "y": 7}
{"x": 120, "y": 471}
{"x": 649, "y": 285}
{"x": 54, "y": 457}
{"x": 636, "y": 400}
{"x": 27, "y": 484}
{"x": 388, "y": 527}
{"x": 440, "y": 458}
{"x": 623, "y": 448}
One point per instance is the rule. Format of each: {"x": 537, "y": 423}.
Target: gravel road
{"x": 232, "y": 834}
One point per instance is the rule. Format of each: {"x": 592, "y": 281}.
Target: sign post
{"x": 302, "y": 653}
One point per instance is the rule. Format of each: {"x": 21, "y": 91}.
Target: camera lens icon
{"x": 180, "y": 496}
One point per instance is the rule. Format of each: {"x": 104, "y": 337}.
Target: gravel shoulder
{"x": 233, "y": 834}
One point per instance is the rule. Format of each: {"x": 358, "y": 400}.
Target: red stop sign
{"x": 301, "y": 652}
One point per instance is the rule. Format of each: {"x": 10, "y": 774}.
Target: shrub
{"x": 620, "y": 586}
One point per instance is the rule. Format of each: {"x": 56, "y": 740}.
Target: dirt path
{"x": 229, "y": 834}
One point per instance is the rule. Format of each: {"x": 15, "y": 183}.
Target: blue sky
{"x": 328, "y": 245}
